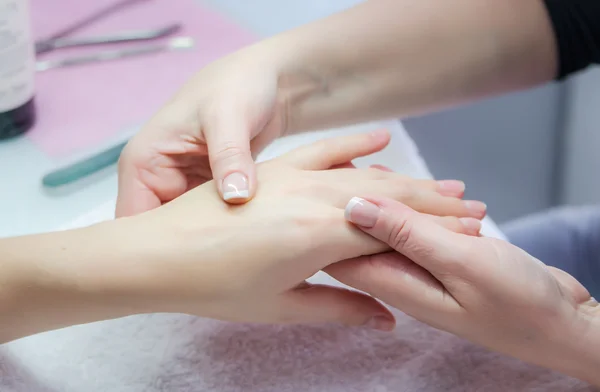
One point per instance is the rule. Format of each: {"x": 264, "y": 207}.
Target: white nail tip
{"x": 236, "y": 195}
{"x": 351, "y": 204}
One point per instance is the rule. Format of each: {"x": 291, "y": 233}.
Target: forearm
{"x": 60, "y": 279}
{"x": 388, "y": 58}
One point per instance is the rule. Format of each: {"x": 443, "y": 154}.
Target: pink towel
{"x": 182, "y": 354}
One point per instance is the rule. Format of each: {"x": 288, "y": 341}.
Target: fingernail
{"x": 380, "y": 323}
{"x": 361, "y": 212}
{"x": 471, "y": 224}
{"x": 235, "y": 186}
{"x": 451, "y": 187}
{"x": 476, "y": 208}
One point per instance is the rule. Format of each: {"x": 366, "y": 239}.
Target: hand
{"x": 201, "y": 256}
{"x": 227, "y": 112}
{"x": 482, "y": 289}
{"x": 249, "y": 262}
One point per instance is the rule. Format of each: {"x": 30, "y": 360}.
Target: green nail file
{"x": 84, "y": 167}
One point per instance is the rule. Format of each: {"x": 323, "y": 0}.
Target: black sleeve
{"x": 576, "y": 26}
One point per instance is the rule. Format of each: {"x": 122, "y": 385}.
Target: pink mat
{"x": 82, "y": 106}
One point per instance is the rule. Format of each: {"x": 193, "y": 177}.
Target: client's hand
{"x": 482, "y": 289}
{"x": 249, "y": 262}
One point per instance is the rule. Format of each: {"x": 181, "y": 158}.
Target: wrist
{"x": 299, "y": 83}
{"x": 317, "y": 83}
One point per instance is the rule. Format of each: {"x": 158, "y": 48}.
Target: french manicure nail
{"x": 476, "y": 208}
{"x": 361, "y": 212}
{"x": 451, "y": 187}
{"x": 380, "y": 323}
{"x": 471, "y": 224}
{"x": 235, "y": 186}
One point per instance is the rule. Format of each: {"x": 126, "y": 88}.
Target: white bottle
{"x": 17, "y": 68}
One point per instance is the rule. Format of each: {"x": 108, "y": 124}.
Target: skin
{"x": 200, "y": 256}
{"x": 383, "y": 58}
{"x": 482, "y": 289}
{"x": 405, "y": 58}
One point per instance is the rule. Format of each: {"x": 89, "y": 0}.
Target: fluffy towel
{"x": 177, "y": 353}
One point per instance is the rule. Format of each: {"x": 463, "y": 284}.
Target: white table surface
{"x": 26, "y": 207}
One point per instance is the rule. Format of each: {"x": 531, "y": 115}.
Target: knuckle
{"x": 399, "y": 234}
{"x": 228, "y": 150}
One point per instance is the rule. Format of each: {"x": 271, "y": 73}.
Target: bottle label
{"x": 17, "y": 56}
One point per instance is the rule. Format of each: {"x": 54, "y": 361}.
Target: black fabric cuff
{"x": 576, "y": 26}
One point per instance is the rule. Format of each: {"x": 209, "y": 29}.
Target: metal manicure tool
{"x": 61, "y": 40}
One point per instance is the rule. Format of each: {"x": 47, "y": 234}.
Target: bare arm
{"x": 50, "y": 281}
{"x": 386, "y": 58}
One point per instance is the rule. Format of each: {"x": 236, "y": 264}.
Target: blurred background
{"x": 520, "y": 153}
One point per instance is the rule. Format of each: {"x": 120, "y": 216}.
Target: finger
{"x": 435, "y": 204}
{"x": 420, "y": 195}
{"x": 231, "y": 162}
{"x": 327, "y": 304}
{"x": 428, "y": 244}
{"x": 262, "y": 140}
{"x": 335, "y": 151}
{"x": 347, "y": 165}
{"x": 133, "y": 197}
{"x": 468, "y": 226}
{"x": 381, "y": 167}
{"x": 453, "y": 188}
{"x": 396, "y": 280}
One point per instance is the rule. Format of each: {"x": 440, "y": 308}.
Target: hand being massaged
{"x": 249, "y": 262}
{"x": 246, "y": 263}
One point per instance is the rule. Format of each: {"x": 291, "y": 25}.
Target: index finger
{"x": 133, "y": 197}
{"x": 330, "y": 152}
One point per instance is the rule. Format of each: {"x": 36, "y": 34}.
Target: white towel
{"x": 178, "y": 353}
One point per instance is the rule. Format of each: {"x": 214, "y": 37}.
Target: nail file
{"x": 84, "y": 167}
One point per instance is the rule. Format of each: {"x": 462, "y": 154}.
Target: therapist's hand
{"x": 482, "y": 289}
{"x": 227, "y": 112}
